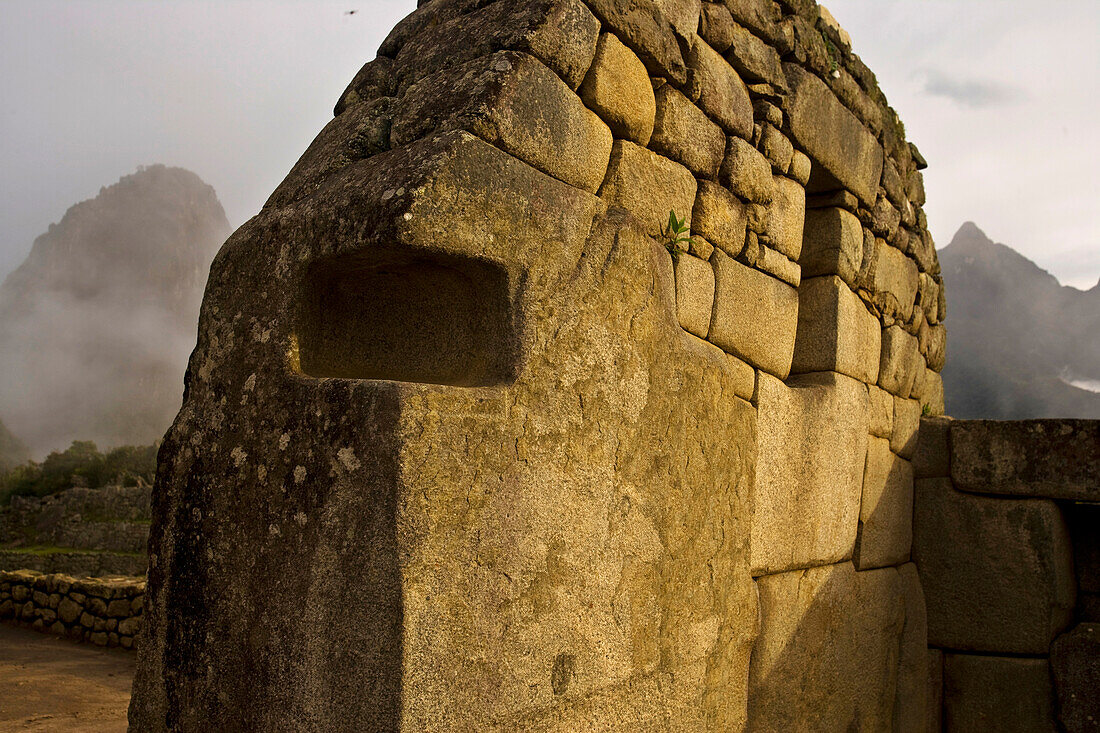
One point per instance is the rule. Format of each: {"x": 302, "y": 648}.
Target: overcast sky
{"x": 1001, "y": 96}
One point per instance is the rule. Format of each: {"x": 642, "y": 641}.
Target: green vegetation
{"x": 834, "y": 54}
{"x": 676, "y": 234}
{"x": 80, "y": 465}
{"x": 50, "y": 550}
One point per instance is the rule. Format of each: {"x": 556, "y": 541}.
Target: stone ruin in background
{"x": 468, "y": 444}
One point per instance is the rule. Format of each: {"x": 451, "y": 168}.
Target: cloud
{"x": 972, "y": 93}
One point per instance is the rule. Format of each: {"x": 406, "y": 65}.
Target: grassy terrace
{"x": 40, "y": 550}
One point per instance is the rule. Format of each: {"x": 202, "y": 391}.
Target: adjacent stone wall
{"x": 80, "y": 532}
{"x": 102, "y": 611}
{"x": 71, "y": 561}
{"x": 530, "y": 463}
{"x": 108, "y": 518}
{"x": 1006, "y": 535}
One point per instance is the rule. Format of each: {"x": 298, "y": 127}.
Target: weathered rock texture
{"x": 1075, "y": 663}
{"x": 998, "y": 572}
{"x": 832, "y": 634}
{"x": 1056, "y": 459}
{"x": 104, "y": 611}
{"x": 812, "y": 436}
{"x": 460, "y": 402}
{"x": 997, "y": 693}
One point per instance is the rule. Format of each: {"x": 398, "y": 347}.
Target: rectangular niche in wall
{"x": 410, "y": 317}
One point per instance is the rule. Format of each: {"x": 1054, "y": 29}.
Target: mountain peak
{"x": 1014, "y": 332}
{"x": 970, "y": 235}
{"x": 969, "y": 228}
{"x": 97, "y": 322}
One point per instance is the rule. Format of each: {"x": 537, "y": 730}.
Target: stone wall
{"x": 103, "y": 611}
{"x": 1007, "y": 540}
{"x": 531, "y": 462}
{"x": 80, "y": 532}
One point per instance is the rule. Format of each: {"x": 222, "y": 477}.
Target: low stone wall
{"x": 1005, "y": 538}
{"x": 103, "y": 611}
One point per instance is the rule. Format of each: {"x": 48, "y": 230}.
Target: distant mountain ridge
{"x": 96, "y": 324}
{"x": 1017, "y": 338}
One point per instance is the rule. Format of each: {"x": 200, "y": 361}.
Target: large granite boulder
{"x": 809, "y": 474}
{"x": 886, "y": 508}
{"x": 914, "y": 702}
{"x": 1075, "y": 662}
{"x": 755, "y": 316}
{"x": 835, "y": 331}
{"x": 403, "y": 474}
{"x": 807, "y": 667}
{"x": 1057, "y": 459}
{"x": 997, "y": 573}
{"x": 832, "y": 135}
{"x": 1009, "y": 694}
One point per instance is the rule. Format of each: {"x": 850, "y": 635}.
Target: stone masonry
{"x": 80, "y": 532}
{"x": 65, "y": 559}
{"x": 102, "y": 611}
{"x": 1006, "y": 536}
{"x": 469, "y": 442}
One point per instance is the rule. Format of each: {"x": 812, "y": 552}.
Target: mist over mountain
{"x": 12, "y": 450}
{"x": 97, "y": 323}
{"x": 1020, "y": 345}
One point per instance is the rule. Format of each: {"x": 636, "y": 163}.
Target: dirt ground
{"x": 52, "y": 684}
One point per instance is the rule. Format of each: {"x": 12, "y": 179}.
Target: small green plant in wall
{"x": 676, "y": 234}
{"x": 834, "y": 54}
